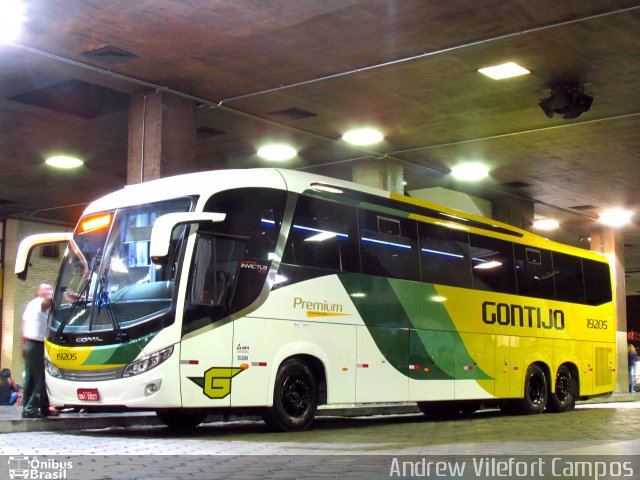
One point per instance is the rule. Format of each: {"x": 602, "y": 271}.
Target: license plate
{"x": 88, "y": 394}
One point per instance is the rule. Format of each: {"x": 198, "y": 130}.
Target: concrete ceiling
{"x": 408, "y": 67}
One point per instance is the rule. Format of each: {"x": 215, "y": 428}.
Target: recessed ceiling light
{"x": 11, "y": 18}
{"x": 277, "y": 152}
{"x": 64, "y": 161}
{"x": 469, "y": 172}
{"x": 546, "y": 224}
{"x": 506, "y": 70}
{"x": 362, "y": 136}
{"x": 615, "y": 217}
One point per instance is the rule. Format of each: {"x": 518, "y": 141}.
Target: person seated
{"x": 9, "y": 390}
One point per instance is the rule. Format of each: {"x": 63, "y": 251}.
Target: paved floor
{"x": 605, "y": 434}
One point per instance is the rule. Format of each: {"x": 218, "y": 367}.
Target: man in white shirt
{"x": 35, "y": 403}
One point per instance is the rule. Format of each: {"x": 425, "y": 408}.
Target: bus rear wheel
{"x": 295, "y": 398}
{"x": 179, "y": 419}
{"x": 535, "y": 392}
{"x": 564, "y": 397}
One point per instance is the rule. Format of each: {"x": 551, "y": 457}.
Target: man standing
{"x": 34, "y": 324}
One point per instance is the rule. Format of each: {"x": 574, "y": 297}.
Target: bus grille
{"x": 92, "y": 375}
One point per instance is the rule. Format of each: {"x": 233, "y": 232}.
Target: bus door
{"x": 206, "y": 350}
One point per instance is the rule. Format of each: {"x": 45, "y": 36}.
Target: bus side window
{"x": 389, "y": 246}
{"x": 534, "y": 272}
{"x": 568, "y": 278}
{"x": 444, "y": 256}
{"x": 323, "y": 236}
{"x": 492, "y": 264}
{"x": 212, "y": 280}
{"x": 597, "y": 282}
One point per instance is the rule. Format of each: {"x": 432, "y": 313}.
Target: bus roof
{"x": 204, "y": 184}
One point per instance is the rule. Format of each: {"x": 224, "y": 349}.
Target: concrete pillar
{"x": 514, "y": 211}
{"x": 610, "y": 242}
{"x": 162, "y": 136}
{"x": 379, "y": 173}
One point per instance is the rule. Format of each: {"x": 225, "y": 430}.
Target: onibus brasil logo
{"x": 37, "y": 468}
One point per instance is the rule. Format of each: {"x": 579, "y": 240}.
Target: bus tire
{"x": 295, "y": 398}
{"x": 179, "y": 419}
{"x": 564, "y": 397}
{"x": 535, "y": 392}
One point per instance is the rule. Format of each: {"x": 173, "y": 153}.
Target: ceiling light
{"x": 277, "y": 152}
{"x": 546, "y": 224}
{"x": 615, "y": 217}
{"x": 64, "y": 161}
{"x": 11, "y": 18}
{"x": 506, "y": 70}
{"x": 469, "y": 172}
{"x": 362, "y": 136}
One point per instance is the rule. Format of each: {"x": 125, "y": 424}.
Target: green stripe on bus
{"x": 121, "y": 354}
{"x": 410, "y": 328}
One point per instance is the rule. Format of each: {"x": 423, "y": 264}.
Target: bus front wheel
{"x": 179, "y": 419}
{"x": 564, "y": 397}
{"x": 295, "y": 398}
{"x": 535, "y": 392}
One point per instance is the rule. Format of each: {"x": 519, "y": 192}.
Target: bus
{"x": 276, "y": 291}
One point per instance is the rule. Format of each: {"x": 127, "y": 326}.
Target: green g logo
{"x": 217, "y": 381}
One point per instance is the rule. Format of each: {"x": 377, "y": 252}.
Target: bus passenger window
{"x": 534, "y": 272}
{"x": 492, "y": 264}
{"x": 568, "y": 278}
{"x": 392, "y": 252}
{"x": 597, "y": 282}
{"x": 444, "y": 256}
{"x": 323, "y": 236}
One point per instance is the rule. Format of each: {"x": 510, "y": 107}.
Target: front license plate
{"x": 88, "y": 394}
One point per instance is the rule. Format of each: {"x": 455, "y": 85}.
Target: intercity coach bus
{"x": 276, "y": 291}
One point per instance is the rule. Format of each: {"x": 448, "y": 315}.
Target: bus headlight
{"x": 51, "y": 368}
{"x": 147, "y": 363}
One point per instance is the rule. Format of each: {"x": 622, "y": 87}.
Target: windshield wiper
{"x": 102, "y": 300}
{"x": 83, "y": 290}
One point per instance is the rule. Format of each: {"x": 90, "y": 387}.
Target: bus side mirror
{"x": 163, "y": 228}
{"x": 32, "y": 241}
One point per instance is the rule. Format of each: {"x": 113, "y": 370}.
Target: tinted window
{"x": 388, "y": 245}
{"x": 232, "y": 258}
{"x": 597, "y": 282}
{"x": 323, "y": 235}
{"x": 492, "y": 264}
{"x": 534, "y": 272}
{"x": 568, "y": 278}
{"x": 444, "y": 256}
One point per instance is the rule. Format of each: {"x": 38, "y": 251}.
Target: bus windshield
{"x": 107, "y": 281}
